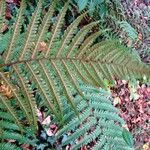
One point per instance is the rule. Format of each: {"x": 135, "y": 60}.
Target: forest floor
{"x": 133, "y": 100}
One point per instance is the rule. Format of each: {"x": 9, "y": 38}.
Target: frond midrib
{"x": 65, "y": 59}
{"x": 134, "y": 68}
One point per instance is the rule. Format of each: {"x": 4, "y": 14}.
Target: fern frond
{"x": 4, "y": 146}
{"x": 11, "y": 127}
{"x": 2, "y": 14}
{"x": 11, "y": 111}
{"x": 69, "y": 59}
{"x": 44, "y": 27}
{"x": 32, "y": 30}
{"x": 16, "y": 30}
{"x": 57, "y": 28}
{"x": 91, "y": 126}
{"x": 17, "y": 97}
{"x": 69, "y": 33}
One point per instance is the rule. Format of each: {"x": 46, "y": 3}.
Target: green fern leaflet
{"x": 54, "y": 73}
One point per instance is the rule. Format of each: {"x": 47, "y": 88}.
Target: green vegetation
{"x": 47, "y": 64}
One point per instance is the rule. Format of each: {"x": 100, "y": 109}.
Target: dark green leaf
{"x": 127, "y": 137}
{"x": 82, "y": 4}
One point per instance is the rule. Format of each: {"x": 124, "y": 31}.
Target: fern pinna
{"x": 98, "y": 125}
{"x": 54, "y": 73}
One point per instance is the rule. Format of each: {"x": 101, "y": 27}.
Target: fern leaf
{"x": 4, "y": 146}
{"x": 16, "y": 30}
{"x": 29, "y": 96}
{"x": 44, "y": 27}
{"x": 69, "y": 33}
{"x": 41, "y": 89}
{"x": 16, "y": 96}
{"x": 104, "y": 128}
{"x": 11, "y": 111}
{"x": 57, "y": 27}
{"x": 70, "y": 59}
{"x": 2, "y": 14}
{"x": 32, "y": 30}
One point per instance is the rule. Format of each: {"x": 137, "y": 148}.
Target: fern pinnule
{"x": 92, "y": 127}
{"x": 4, "y": 146}
{"x": 69, "y": 33}
{"x": 11, "y": 112}
{"x": 16, "y": 30}
{"x": 32, "y": 31}
{"x": 86, "y": 44}
{"x": 2, "y": 14}
{"x": 17, "y": 97}
{"x": 44, "y": 27}
{"x": 79, "y": 38}
{"x": 57, "y": 28}
{"x": 29, "y": 96}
